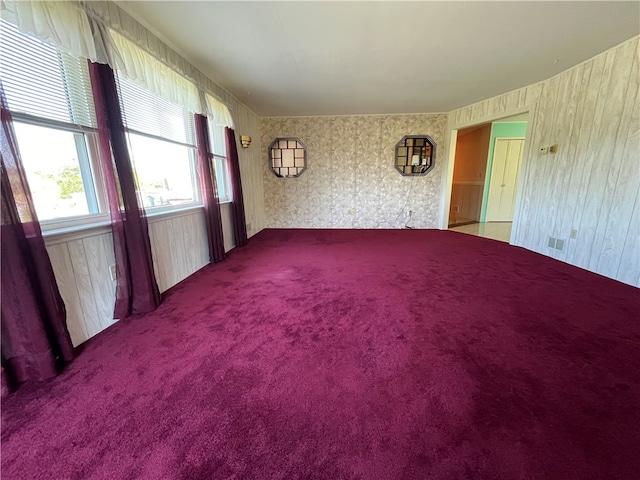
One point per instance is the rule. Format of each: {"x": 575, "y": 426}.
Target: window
{"x": 59, "y": 171}
{"x": 49, "y": 95}
{"x": 162, "y": 146}
{"x": 218, "y": 117}
{"x": 219, "y": 149}
{"x": 164, "y": 171}
{"x": 222, "y": 178}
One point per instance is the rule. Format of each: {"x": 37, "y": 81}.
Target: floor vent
{"x": 556, "y": 243}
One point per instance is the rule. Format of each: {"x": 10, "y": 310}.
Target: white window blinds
{"x": 134, "y": 63}
{"x": 146, "y": 112}
{"x": 42, "y": 82}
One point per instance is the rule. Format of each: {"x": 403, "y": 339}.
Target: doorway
{"x": 472, "y": 149}
{"x": 484, "y": 184}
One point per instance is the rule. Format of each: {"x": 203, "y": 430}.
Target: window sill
{"x": 154, "y": 217}
{"x": 76, "y": 232}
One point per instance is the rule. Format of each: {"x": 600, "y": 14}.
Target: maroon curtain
{"x": 35, "y": 339}
{"x": 136, "y": 288}
{"x": 239, "y": 223}
{"x": 207, "y": 175}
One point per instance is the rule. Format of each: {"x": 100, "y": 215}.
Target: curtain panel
{"x": 239, "y": 222}
{"x": 35, "y": 339}
{"x": 210, "y": 199}
{"x": 136, "y": 288}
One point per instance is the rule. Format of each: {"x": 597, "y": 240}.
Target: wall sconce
{"x": 245, "y": 140}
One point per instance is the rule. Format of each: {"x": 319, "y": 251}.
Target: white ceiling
{"x": 324, "y": 58}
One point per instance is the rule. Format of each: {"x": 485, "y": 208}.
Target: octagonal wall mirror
{"x": 415, "y": 154}
{"x": 287, "y": 157}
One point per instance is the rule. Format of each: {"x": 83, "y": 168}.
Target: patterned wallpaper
{"x": 350, "y": 181}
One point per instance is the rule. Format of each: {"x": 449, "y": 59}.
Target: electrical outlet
{"x": 112, "y": 272}
{"x": 352, "y": 211}
{"x": 574, "y": 233}
{"x": 249, "y": 227}
{"x": 553, "y": 148}
{"x": 456, "y": 208}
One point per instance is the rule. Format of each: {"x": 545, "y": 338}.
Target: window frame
{"x": 226, "y": 180}
{"x": 214, "y": 157}
{"x": 91, "y": 160}
{"x": 193, "y": 158}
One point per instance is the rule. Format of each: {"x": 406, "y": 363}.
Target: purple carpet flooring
{"x": 351, "y": 354}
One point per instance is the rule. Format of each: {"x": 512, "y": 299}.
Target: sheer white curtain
{"x": 150, "y": 73}
{"x": 63, "y": 23}
{"x": 218, "y": 112}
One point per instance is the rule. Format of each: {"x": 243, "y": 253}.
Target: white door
{"x": 507, "y": 156}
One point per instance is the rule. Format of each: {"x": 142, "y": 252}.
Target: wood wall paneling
{"x": 81, "y": 267}
{"x": 63, "y": 271}
{"x": 179, "y": 246}
{"x": 591, "y": 184}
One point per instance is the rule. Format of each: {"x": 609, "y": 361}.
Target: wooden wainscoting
{"x": 81, "y": 266}
{"x": 466, "y": 202}
{"x": 81, "y": 263}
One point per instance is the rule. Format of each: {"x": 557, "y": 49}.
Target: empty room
{"x": 320, "y": 240}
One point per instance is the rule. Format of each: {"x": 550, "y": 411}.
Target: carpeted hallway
{"x": 351, "y": 354}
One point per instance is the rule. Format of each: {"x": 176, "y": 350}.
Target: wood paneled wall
{"x": 81, "y": 264}
{"x": 592, "y": 184}
{"x": 179, "y": 247}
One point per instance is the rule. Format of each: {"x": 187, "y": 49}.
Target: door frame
{"x": 445, "y": 194}
{"x": 489, "y": 172}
